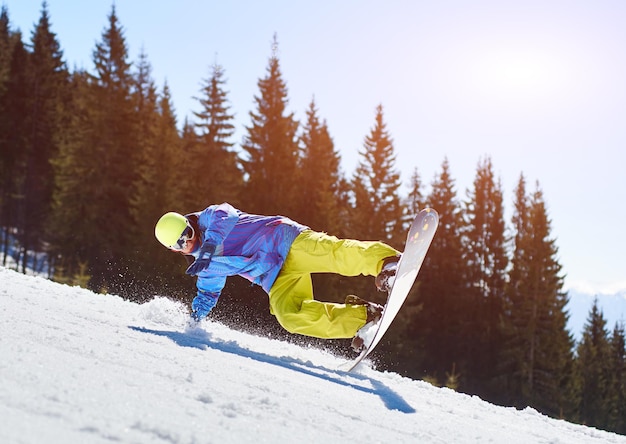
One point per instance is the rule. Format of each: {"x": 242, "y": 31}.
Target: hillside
{"x": 82, "y": 367}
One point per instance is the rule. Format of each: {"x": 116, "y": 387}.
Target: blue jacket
{"x": 248, "y": 245}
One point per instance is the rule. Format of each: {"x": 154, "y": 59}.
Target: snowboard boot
{"x": 374, "y": 310}
{"x": 374, "y": 313}
{"x": 366, "y": 333}
{"x": 384, "y": 280}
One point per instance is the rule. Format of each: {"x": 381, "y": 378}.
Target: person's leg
{"x": 291, "y": 301}
{"x": 314, "y": 252}
{"x": 291, "y": 296}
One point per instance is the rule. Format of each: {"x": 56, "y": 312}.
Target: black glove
{"x": 204, "y": 259}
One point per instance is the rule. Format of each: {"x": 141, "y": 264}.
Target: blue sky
{"x": 536, "y": 85}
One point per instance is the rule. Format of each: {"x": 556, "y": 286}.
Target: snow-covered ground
{"x": 78, "y": 367}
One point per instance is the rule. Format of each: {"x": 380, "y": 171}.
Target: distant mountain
{"x": 613, "y": 307}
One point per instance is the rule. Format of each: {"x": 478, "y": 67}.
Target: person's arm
{"x": 202, "y": 305}
{"x": 216, "y": 222}
{"x": 203, "y": 261}
{"x": 209, "y": 290}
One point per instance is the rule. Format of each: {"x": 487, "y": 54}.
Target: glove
{"x": 204, "y": 259}
{"x": 202, "y": 305}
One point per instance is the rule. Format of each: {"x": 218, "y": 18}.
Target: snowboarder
{"x": 279, "y": 255}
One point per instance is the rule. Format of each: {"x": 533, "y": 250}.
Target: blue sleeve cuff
{"x": 202, "y": 304}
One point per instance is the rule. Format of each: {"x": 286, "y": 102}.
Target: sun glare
{"x": 516, "y": 76}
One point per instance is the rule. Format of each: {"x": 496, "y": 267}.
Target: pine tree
{"x": 148, "y": 200}
{"x": 47, "y": 80}
{"x": 271, "y": 148}
{"x": 5, "y": 62}
{"x": 378, "y": 210}
{"x": 439, "y": 327}
{"x": 323, "y": 196}
{"x": 594, "y": 359}
{"x": 215, "y": 172}
{"x": 415, "y": 198}
{"x": 97, "y": 166}
{"x": 170, "y": 170}
{"x": 15, "y": 122}
{"x": 114, "y": 137}
{"x": 73, "y": 220}
{"x": 537, "y": 359}
{"x": 6, "y": 48}
{"x": 322, "y": 205}
{"x": 400, "y": 341}
{"x": 513, "y": 354}
{"x": 617, "y": 374}
{"x": 184, "y": 193}
{"x": 9, "y": 145}
{"x": 162, "y": 160}
{"x": 486, "y": 256}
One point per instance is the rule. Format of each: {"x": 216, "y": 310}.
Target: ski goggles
{"x": 187, "y": 235}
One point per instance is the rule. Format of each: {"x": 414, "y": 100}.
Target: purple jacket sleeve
{"x": 202, "y": 304}
{"x": 216, "y": 221}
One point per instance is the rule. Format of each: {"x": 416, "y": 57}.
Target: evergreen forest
{"x": 90, "y": 159}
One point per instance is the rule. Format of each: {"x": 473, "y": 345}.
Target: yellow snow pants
{"x": 291, "y": 296}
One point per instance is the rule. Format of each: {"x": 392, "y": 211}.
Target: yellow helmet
{"x": 170, "y": 228}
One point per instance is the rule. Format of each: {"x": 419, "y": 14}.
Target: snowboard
{"x": 420, "y": 236}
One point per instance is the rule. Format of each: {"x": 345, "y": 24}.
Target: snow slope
{"x": 81, "y": 367}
